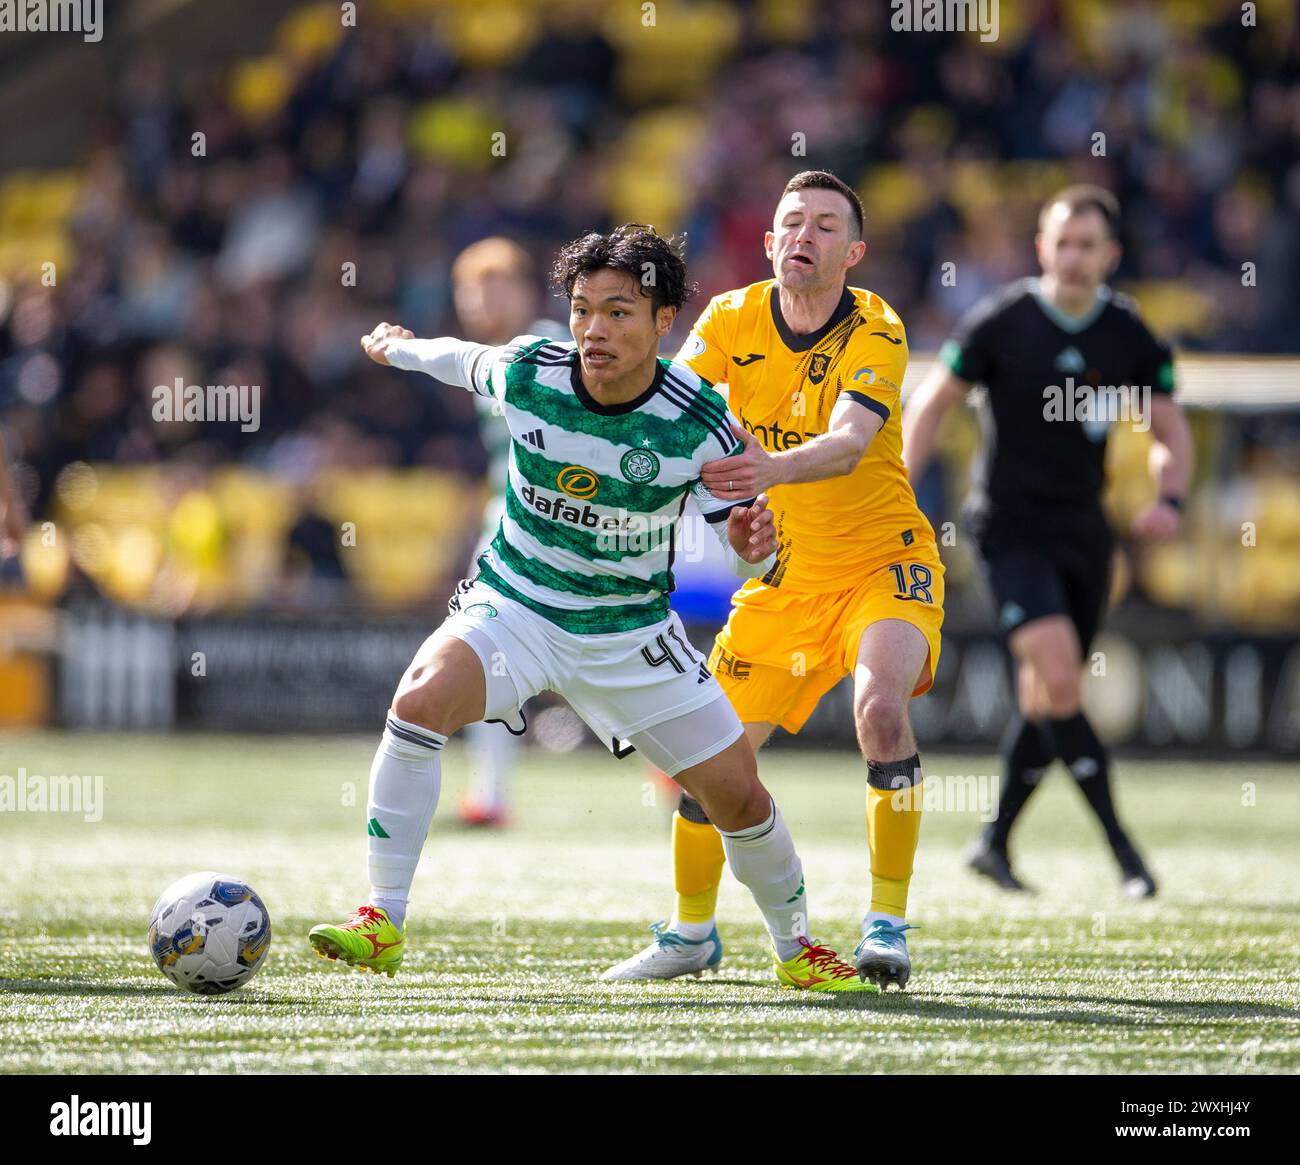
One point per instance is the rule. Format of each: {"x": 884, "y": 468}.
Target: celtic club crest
{"x": 640, "y": 466}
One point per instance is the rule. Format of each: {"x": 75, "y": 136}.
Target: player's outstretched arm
{"x": 833, "y": 454}
{"x": 942, "y": 389}
{"x": 459, "y": 362}
{"x": 377, "y": 343}
{"x": 1171, "y": 461}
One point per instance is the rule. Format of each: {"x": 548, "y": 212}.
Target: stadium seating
{"x": 376, "y": 145}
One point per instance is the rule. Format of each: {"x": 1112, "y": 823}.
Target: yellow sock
{"x": 698, "y": 859}
{"x": 892, "y": 834}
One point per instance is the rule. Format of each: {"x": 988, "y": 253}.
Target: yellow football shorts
{"x": 782, "y": 650}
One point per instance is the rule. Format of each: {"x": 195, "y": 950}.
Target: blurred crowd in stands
{"x": 246, "y": 224}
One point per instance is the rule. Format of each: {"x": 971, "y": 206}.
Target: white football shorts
{"x": 647, "y": 689}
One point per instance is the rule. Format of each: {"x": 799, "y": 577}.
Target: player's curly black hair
{"x": 653, "y": 261}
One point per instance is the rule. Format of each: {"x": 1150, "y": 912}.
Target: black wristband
{"x": 1170, "y": 500}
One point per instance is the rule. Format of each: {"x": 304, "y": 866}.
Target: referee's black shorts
{"x": 1047, "y": 564}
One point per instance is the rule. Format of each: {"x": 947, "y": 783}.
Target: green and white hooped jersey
{"x": 493, "y": 432}
{"x": 595, "y": 492}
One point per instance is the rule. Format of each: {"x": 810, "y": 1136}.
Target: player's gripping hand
{"x": 751, "y": 530}
{"x": 376, "y": 344}
{"x": 1158, "y": 522}
{"x": 744, "y": 474}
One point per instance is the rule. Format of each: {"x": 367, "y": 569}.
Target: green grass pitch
{"x": 510, "y": 930}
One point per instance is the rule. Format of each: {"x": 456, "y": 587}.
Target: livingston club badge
{"x": 640, "y": 466}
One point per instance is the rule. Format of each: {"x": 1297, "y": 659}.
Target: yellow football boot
{"x": 817, "y": 968}
{"x": 368, "y": 939}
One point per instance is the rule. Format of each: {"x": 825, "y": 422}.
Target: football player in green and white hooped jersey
{"x": 607, "y": 441}
{"x": 496, "y": 295}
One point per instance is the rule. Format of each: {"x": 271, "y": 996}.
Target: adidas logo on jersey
{"x": 535, "y": 439}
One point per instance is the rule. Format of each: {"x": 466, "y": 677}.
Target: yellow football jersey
{"x": 782, "y": 387}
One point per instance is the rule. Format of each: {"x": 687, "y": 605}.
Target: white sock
{"x": 395, "y": 908}
{"x": 892, "y": 919}
{"x": 694, "y": 931}
{"x": 405, "y": 780}
{"x": 762, "y": 857}
{"x": 492, "y": 756}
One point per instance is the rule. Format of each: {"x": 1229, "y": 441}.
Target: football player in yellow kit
{"x": 814, "y": 369}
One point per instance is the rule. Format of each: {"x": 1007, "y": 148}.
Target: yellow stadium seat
{"x": 645, "y": 183}
{"x": 260, "y": 87}
{"x": 895, "y": 194}
{"x": 1171, "y": 306}
{"x": 457, "y": 131}
{"x": 489, "y": 35}
{"x": 975, "y": 187}
{"x": 252, "y": 501}
{"x": 787, "y": 22}
{"x": 1033, "y": 180}
{"x": 311, "y": 33}
{"x": 1278, "y": 504}
{"x": 134, "y": 559}
{"x": 669, "y": 67}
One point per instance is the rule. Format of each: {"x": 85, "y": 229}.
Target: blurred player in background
{"x": 13, "y": 514}
{"x": 496, "y": 296}
{"x": 813, "y": 369}
{"x": 1036, "y": 507}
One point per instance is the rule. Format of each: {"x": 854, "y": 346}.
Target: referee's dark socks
{"x": 1026, "y": 753}
{"x": 1078, "y": 746}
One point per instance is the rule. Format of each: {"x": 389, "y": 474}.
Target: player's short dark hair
{"x": 654, "y": 262}
{"x": 825, "y": 180}
{"x": 1083, "y": 198}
